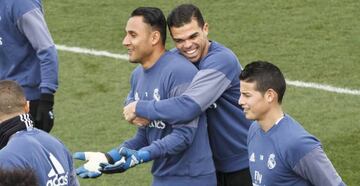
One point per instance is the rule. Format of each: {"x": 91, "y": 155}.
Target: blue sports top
{"x": 288, "y": 155}
{"x": 27, "y": 51}
{"x": 38, "y": 151}
{"x": 181, "y": 152}
{"x": 216, "y": 90}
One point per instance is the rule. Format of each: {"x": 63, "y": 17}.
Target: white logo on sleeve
{"x": 271, "y": 161}
{"x": 57, "y": 175}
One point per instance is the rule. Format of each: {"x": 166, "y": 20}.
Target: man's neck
{"x": 270, "y": 118}
{"x": 9, "y": 116}
{"x": 206, "y": 50}
{"x": 153, "y": 58}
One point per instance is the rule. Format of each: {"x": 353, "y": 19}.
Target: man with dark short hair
{"x": 214, "y": 90}
{"x": 281, "y": 151}
{"x": 181, "y": 153}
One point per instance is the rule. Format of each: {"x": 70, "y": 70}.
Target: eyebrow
{"x": 190, "y": 37}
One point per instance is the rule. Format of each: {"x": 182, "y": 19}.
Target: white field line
{"x": 324, "y": 87}
{"x": 295, "y": 83}
{"x": 91, "y": 52}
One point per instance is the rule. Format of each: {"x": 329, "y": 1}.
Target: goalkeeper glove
{"x": 132, "y": 158}
{"x": 44, "y": 118}
{"x": 91, "y": 168}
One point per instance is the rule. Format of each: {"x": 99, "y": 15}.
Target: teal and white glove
{"x": 91, "y": 168}
{"x": 132, "y": 158}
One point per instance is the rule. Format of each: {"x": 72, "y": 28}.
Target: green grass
{"x": 313, "y": 41}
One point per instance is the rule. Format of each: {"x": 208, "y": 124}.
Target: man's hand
{"x": 91, "y": 168}
{"x": 44, "y": 115}
{"x": 141, "y": 122}
{"x": 129, "y": 111}
{"x": 132, "y": 158}
{"x": 130, "y": 116}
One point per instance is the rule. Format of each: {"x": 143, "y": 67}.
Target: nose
{"x": 241, "y": 101}
{"x": 187, "y": 43}
{"x": 126, "y": 41}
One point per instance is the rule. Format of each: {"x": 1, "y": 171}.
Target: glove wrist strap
{"x": 109, "y": 158}
{"x": 113, "y": 156}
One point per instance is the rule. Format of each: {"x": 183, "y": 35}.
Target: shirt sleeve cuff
{"x": 142, "y": 109}
{"x": 154, "y": 153}
{"x": 45, "y": 90}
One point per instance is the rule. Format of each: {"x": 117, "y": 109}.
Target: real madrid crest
{"x": 156, "y": 94}
{"x": 271, "y": 163}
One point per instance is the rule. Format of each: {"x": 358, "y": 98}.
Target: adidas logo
{"x": 57, "y": 175}
{"x": 252, "y": 157}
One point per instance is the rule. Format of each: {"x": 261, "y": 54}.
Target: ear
{"x": 206, "y": 29}
{"x": 271, "y": 96}
{"x": 155, "y": 37}
{"x": 27, "y": 107}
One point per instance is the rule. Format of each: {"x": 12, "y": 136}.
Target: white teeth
{"x": 191, "y": 51}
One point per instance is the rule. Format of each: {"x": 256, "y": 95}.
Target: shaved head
{"x": 12, "y": 98}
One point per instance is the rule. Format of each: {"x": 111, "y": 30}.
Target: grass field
{"x": 311, "y": 41}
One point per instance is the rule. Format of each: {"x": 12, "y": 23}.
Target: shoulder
{"x": 221, "y": 59}
{"x": 176, "y": 60}
{"x": 137, "y": 71}
{"x": 20, "y": 7}
{"x": 179, "y": 66}
{"x": 297, "y": 141}
{"x": 37, "y": 139}
{"x": 17, "y": 150}
{"x": 219, "y": 55}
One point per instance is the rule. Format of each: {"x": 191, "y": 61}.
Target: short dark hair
{"x": 12, "y": 97}
{"x": 183, "y": 14}
{"x": 18, "y": 177}
{"x": 266, "y": 75}
{"x": 154, "y": 17}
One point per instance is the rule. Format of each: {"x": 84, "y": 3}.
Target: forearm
{"x": 206, "y": 87}
{"x": 175, "y": 110}
{"x": 136, "y": 142}
{"x": 49, "y": 70}
{"x": 180, "y": 139}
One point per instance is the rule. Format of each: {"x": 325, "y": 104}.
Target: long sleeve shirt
{"x": 181, "y": 150}
{"x": 27, "y": 51}
{"x": 215, "y": 89}
{"x": 288, "y": 155}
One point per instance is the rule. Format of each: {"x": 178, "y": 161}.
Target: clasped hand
{"x": 131, "y": 159}
{"x": 130, "y": 115}
{"x": 114, "y": 161}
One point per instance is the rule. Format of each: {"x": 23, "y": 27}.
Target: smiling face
{"x": 254, "y": 103}
{"x": 138, "y": 40}
{"x": 191, "y": 40}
